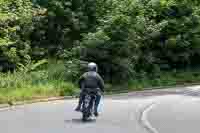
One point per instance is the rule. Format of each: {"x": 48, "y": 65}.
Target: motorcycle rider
{"x": 91, "y": 80}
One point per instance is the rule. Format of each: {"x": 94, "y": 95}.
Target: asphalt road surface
{"x": 127, "y": 113}
{"x": 176, "y": 114}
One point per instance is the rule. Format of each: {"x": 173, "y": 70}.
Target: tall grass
{"x": 50, "y": 82}
{"x": 161, "y": 79}
{"x": 53, "y": 81}
{"x": 170, "y": 78}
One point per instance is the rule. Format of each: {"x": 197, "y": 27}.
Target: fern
{"x": 31, "y": 66}
{"x": 38, "y": 64}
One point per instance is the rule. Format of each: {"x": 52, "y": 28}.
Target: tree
{"x": 15, "y": 28}
{"x": 136, "y": 36}
{"x": 63, "y": 25}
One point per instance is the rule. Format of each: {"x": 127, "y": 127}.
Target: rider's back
{"x": 91, "y": 80}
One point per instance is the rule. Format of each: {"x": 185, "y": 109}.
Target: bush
{"x": 137, "y": 36}
{"x": 56, "y": 70}
{"x": 19, "y": 85}
{"x": 67, "y": 89}
{"x": 15, "y": 28}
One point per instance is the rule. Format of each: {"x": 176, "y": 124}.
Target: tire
{"x": 85, "y": 113}
{"x": 87, "y": 110}
{"x": 84, "y": 117}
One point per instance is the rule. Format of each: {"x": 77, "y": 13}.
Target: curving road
{"x": 121, "y": 114}
{"x": 175, "y": 114}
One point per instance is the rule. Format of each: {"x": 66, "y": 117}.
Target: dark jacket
{"x": 91, "y": 80}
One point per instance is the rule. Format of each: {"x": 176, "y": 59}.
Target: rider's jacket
{"x": 91, "y": 80}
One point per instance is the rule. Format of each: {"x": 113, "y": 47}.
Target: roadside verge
{"x": 162, "y": 90}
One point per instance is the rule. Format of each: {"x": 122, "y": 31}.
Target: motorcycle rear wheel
{"x": 85, "y": 117}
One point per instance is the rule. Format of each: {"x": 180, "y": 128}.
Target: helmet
{"x": 92, "y": 67}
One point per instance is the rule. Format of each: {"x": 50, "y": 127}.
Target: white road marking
{"x": 145, "y": 121}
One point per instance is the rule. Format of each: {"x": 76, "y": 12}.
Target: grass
{"x": 20, "y": 86}
{"x": 161, "y": 79}
{"x": 166, "y": 79}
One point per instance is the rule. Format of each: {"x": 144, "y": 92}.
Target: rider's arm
{"x": 101, "y": 83}
{"x": 80, "y": 81}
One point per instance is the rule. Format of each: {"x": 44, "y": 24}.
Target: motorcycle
{"x": 88, "y": 104}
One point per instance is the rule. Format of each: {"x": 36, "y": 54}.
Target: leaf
{"x": 5, "y": 42}
{"x": 38, "y": 64}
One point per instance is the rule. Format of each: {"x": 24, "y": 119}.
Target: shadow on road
{"x": 79, "y": 121}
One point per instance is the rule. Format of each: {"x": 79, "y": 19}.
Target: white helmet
{"x": 92, "y": 67}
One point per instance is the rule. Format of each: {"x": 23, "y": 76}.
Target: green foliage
{"x": 56, "y": 70}
{"x": 61, "y": 25}
{"x": 31, "y": 66}
{"x": 15, "y": 27}
{"x": 20, "y": 86}
{"x": 173, "y": 44}
{"x": 124, "y": 37}
{"x": 169, "y": 78}
{"x": 150, "y": 36}
{"x": 65, "y": 70}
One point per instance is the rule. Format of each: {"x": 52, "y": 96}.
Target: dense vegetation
{"x": 128, "y": 39}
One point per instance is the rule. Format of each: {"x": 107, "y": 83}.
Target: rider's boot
{"x": 96, "y": 112}
{"x": 78, "y": 108}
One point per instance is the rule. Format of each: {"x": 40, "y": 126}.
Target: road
{"x": 176, "y": 114}
{"x": 127, "y": 113}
